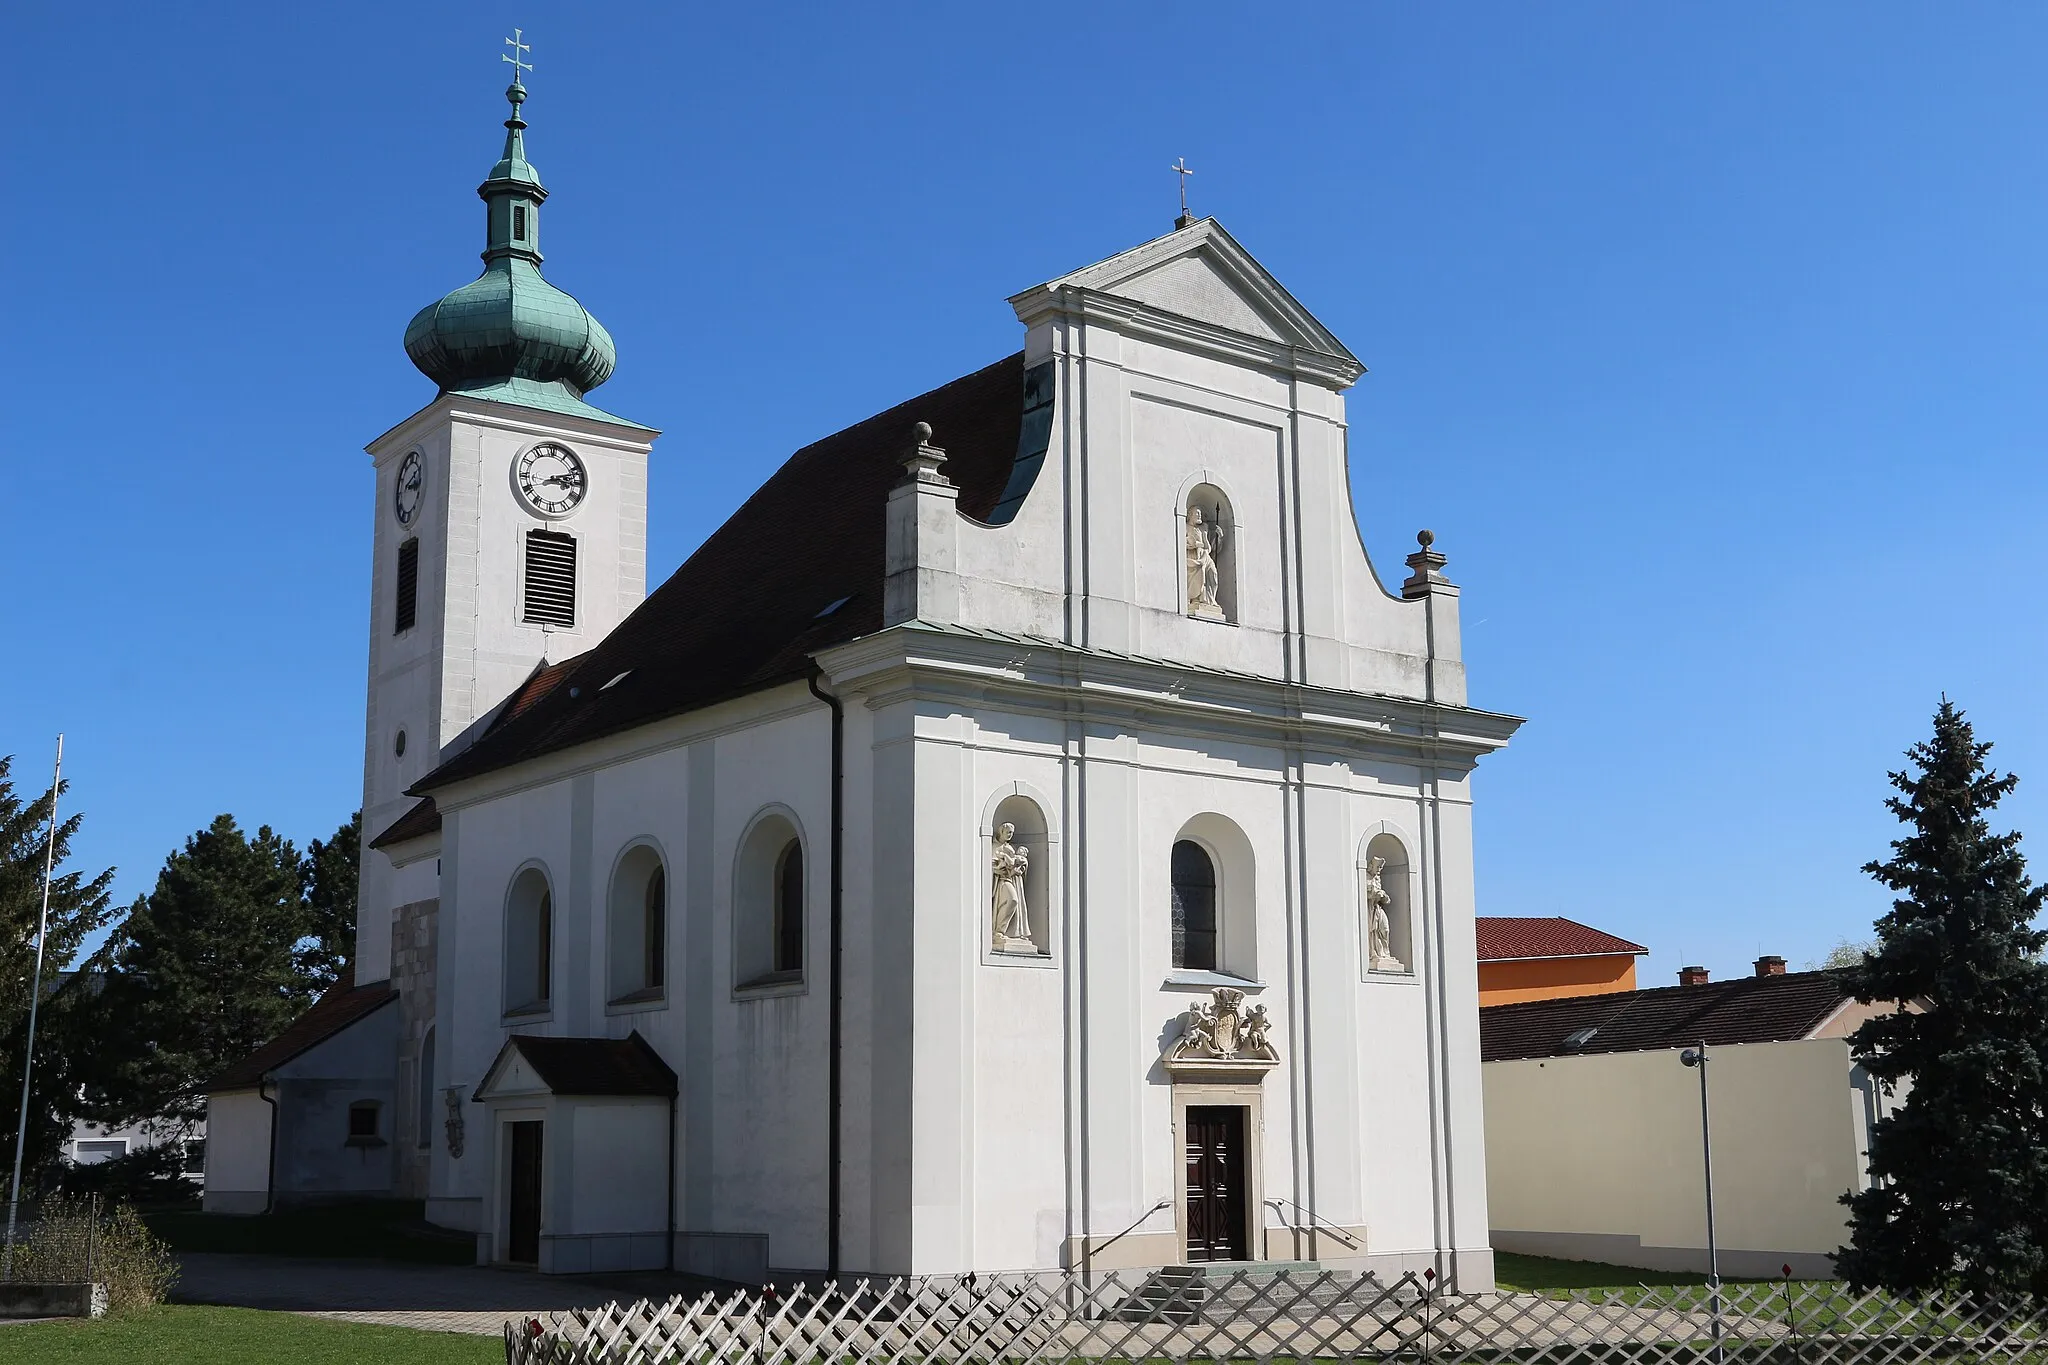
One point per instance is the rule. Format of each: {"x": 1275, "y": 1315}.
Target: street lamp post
{"x": 1696, "y": 1056}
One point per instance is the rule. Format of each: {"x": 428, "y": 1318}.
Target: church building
{"x": 1027, "y": 834}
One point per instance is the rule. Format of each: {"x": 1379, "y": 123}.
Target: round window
{"x": 399, "y": 744}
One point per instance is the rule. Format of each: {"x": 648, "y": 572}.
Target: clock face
{"x": 551, "y": 479}
{"x": 412, "y": 480}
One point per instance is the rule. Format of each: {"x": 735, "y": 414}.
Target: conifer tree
{"x": 327, "y": 881}
{"x": 202, "y": 971}
{"x": 1959, "y": 1195}
{"x": 78, "y": 906}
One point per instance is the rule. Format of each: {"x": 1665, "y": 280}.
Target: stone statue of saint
{"x": 1380, "y": 933}
{"x": 1008, "y": 863}
{"x": 1204, "y": 543}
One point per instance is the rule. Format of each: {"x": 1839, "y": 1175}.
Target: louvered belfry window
{"x": 550, "y": 579}
{"x": 408, "y": 596}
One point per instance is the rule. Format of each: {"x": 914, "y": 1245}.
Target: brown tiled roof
{"x": 797, "y": 568}
{"x": 1505, "y": 938}
{"x": 423, "y": 819}
{"x": 1750, "y": 1009}
{"x": 344, "y": 1003}
{"x": 594, "y": 1066}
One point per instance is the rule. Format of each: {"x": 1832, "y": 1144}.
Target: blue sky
{"x": 1708, "y": 340}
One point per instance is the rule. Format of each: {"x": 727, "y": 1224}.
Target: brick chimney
{"x": 1770, "y": 966}
{"x": 1692, "y": 976}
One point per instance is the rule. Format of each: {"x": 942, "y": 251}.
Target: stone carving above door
{"x": 1220, "y": 1039}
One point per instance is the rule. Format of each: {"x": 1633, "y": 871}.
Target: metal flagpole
{"x": 1697, "y": 1056}
{"x": 35, "y": 1000}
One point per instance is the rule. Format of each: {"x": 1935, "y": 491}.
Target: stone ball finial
{"x": 1425, "y": 538}
{"x": 922, "y": 433}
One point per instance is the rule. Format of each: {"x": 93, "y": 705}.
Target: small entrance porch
{"x": 582, "y": 1141}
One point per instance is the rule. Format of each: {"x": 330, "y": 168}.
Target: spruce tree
{"x": 1959, "y": 1193}
{"x": 78, "y": 906}
{"x": 202, "y": 972}
{"x": 327, "y": 881}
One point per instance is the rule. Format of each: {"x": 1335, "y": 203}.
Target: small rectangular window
{"x": 550, "y": 579}
{"x": 519, "y": 222}
{"x": 195, "y": 1156}
{"x": 408, "y": 587}
{"x": 362, "y": 1119}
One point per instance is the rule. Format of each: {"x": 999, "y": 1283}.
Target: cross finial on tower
{"x": 1180, "y": 168}
{"x": 519, "y": 49}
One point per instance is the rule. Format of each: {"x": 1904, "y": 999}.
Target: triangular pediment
{"x": 510, "y": 1076}
{"x": 1200, "y": 273}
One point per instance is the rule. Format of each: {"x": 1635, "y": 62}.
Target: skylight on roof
{"x": 1578, "y": 1038}
{"x": 616, "y": 681}
{"x": 827, "y": 611}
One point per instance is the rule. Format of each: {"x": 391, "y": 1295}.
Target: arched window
{"x": 1194, "y": 907}
{"x": 789, "y": 909}
{"x": 423, "y": 1106}
{"x": 655, "y": 920}
{"x": 529, "y": 944}
{"x": 769, "y": 904}
{"x": 637, "y": 927}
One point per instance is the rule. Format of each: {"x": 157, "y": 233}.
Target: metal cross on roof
{"x": 519, "y": 49}
{"x": 1180, "y": 168}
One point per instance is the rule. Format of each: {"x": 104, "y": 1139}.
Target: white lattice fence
{"x": 1171, "y": 1316}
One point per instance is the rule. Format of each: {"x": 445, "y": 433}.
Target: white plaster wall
{"x": 1609, "y": 1146}
{"x": 237, "y": 1148}
{"x": 617, "y": 1163}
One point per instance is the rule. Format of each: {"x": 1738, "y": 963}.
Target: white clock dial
{"x": 412, "y": 482}
{"x": 551, "y": 479}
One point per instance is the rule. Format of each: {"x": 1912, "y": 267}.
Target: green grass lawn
{"x": 394, "y": 1230}
{"x": 178, "y": 1335}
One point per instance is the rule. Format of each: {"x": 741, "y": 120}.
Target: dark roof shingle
{"x": 595, "y": 1066}
{"x": 1505, "y": 938}
{"x": 751, "y": 606}
{"x": 423, "y": 819}
{"x": 1758, "y": 1009}
{"x": 344, "y": 1004}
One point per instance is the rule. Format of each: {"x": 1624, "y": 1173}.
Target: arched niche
{"x": 1234, "y": 867}
{"x": 529, "y": 942}
{"x": 770, "y": 921}
{"x": 1386, "y": 885}
{"x": 1031, "y": 839}
{"x": 423, "y": 1092}
{"x": 636, "y": 927}
{"x": 1209, "y": 534}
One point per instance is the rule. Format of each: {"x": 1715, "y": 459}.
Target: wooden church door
{"x": 524, "y": 1194}
{"x": 1216, "y": 1183}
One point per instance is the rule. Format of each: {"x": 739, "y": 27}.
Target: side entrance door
{"x": 1216, "y": 1183}
{"x": 523, "y": 1196}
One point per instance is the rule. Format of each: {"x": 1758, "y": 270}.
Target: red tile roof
{"x": 344, "y": 1003}
{"x": 1748, "y": 1009}
{"x": 798, "y": 568}
{"x": 1508, "y": 938}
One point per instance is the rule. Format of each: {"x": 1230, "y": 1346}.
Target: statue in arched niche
{"x": 1204, "y": 546}
{"x": 1009, "y": 864}
{"x": 1380, "y": 927}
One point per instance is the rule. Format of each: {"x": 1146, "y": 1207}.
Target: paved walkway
{"x": 433, "y": 1298}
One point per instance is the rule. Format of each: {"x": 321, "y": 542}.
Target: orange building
{"x": 1526, "y": 958}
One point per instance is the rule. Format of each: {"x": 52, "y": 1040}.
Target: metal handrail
{"x": 1092, "y": 1252}
{"x": 1346, "y": 1238}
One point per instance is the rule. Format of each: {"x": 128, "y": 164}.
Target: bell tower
{"x": 509, "y": 530}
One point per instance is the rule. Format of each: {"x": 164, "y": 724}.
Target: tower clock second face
{"x": 551, "y": 479}
{"x": 406, "y": 495}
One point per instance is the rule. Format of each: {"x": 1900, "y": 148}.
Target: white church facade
{"x": 1026, "y": 834}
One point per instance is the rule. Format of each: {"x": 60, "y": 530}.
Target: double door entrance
{"x": 1218, "y": 1208}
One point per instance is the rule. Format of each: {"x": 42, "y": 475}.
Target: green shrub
{"x": 75, "y": 1240}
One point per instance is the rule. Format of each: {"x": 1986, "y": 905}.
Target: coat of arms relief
{"x": 1220, "y": 1034}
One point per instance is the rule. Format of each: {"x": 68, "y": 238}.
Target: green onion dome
{"x": 509, "y": 323}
